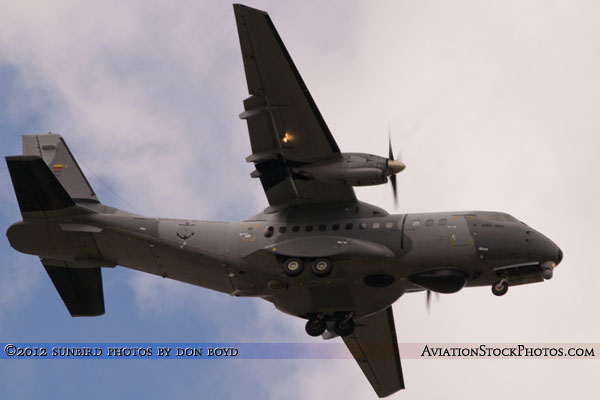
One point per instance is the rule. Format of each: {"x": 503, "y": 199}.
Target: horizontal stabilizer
{"x": 36, "y": 187}
{"x": 80, "y": 289}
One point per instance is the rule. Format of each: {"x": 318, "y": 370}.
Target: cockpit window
{"x": 501, "y": 217}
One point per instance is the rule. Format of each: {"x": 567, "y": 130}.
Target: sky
{"x": 493, "y": 106}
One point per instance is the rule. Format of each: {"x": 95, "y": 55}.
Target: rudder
{"x": 57, "y": 156}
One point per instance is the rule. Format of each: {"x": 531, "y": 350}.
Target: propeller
{"x": 394, "y": 166}
{"x": 428, "y": 299}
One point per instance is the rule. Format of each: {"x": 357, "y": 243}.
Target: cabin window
{"x": 282, "y": 229}
{"x": 363, "y": 225}
{"x": 416, "y": 223}
{"x": 389, "y": 225}
{"x": 335, "y": 227}
{"x": 308, "y": 228}
{"x": 322, "y": 227}
{"x": 295, "y": 228}
{"x": 429, "y": 222}
{"x": 443, "y": 221}
{"x": 376, "y": 225}
{"x": 349, "y": 226}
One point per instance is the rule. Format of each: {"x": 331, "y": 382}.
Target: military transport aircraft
{"x": 315, "y": 252}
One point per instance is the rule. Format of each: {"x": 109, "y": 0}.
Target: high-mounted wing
{"x": 286, "y": 128}
{"x": 375, "y": 347}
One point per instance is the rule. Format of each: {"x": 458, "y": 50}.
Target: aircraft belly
{"x": 343, "y": 290}
{"x": 157, "y": 258}
{"x": 185, "y": 266}
{"x": 334, "y": 297}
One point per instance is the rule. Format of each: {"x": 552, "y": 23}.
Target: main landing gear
{"x": 295, "y": 266}
{"x": 343, "y": 325}
{"x": 501, "y": 287}
{"x": 316, "y": 326}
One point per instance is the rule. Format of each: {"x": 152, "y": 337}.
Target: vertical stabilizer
{"x": 55, "y": 153}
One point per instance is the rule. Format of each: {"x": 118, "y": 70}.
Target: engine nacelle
{"x": 356, "y": 169}
{"x": 442, "y": 280}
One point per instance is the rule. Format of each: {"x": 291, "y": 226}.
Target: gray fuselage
{"x": 374, "y": 254}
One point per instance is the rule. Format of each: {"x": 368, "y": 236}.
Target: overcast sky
{"x": 493, "y": 104}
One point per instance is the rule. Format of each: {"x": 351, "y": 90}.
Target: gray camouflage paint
{"x": 238, "y": 258}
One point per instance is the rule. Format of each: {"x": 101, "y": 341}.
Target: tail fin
{"x": 55, "y": 153}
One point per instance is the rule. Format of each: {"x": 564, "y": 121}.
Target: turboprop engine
{"x": 356, "y": 169}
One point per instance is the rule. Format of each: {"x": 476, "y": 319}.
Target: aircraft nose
{"x": 560, "y": 256}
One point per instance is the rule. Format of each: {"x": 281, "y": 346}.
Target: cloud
{"x": 135, "y": 96}
{"x": 20, "y": 281}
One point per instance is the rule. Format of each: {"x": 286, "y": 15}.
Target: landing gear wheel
{"x": 343, "y": 328}
{"x": 500, "y": 288}
{"x": 315, "y": 327}
{"x": 322, "y": 267}
{"x": 293, "y": 267}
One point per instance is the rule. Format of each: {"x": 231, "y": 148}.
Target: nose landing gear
{"x": 501, "y": 287}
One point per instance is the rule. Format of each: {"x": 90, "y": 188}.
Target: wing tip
{"x": 241, "y": 8}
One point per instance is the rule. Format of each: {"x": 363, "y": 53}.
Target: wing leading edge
{"x": 285, "y": 126}
{"x": 375, "y": 347}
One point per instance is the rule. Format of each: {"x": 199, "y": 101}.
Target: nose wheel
{"x": 501, "y": 287}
